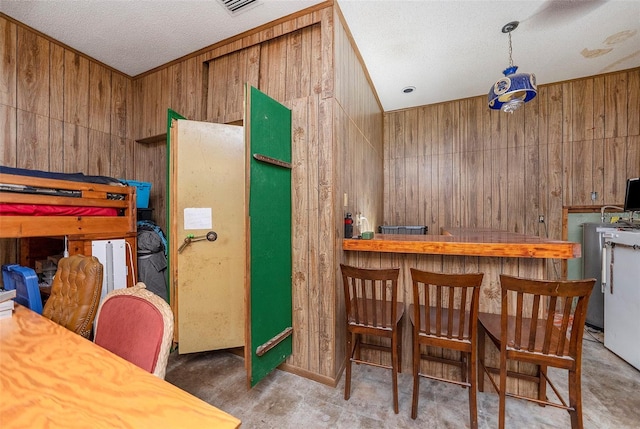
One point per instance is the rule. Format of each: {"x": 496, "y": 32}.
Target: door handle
{"x": 209, "y": 236}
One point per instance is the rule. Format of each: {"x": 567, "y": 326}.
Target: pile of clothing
{"x": 152, "y": 258}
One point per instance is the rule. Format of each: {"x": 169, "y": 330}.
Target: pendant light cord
{"x": 510, "y": 52}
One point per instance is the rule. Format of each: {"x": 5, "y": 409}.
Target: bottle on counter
{"x": 348, "y": 226}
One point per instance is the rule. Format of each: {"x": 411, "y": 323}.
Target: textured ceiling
{"x": 446, "y": 49}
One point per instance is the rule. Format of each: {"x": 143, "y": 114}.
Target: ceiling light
{"x": 514, "y": 89}
{"x": 408, "y": 89}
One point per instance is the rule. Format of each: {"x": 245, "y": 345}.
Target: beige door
{"x": 207, "y": 193}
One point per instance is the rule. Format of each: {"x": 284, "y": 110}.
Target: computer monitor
{"x": 632, "y": 196}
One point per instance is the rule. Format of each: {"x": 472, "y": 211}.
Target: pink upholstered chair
{"x": 137, "y": 325}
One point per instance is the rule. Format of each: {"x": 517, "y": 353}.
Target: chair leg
{"x": 416, "y": 378}
{"x": 473, "y": 393}
{"x": 542, "y": 383}
{"x": 503, "y": 389}
{"x": 399, "y": 329}
{"x": 481, "y": 341}
{"x": 394, "y": 369}
{"x": 349, "y": 353}
{"x": 464, "y": 362}
{"x": 575, "y": 399}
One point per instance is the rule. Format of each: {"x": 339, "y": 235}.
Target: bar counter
{"x": 468, "y": 242}
{"x": 462, "y": 250}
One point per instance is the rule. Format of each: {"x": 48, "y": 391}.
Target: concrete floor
{"x": 611, "y": 396}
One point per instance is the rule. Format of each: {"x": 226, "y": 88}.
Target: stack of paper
{"x": 6, "y": 303}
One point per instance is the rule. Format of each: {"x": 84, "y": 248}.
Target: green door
{"x": 268, "y": 150}
{"x": 265, "y": 276}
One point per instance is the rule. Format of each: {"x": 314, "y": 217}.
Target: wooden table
{"x": 51, "y": 377}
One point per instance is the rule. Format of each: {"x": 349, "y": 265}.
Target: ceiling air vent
{"x": 235, "y": 7}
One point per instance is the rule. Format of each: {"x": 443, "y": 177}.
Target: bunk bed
{"x": 36, "y": 206}
{"x": 42, "y": 208}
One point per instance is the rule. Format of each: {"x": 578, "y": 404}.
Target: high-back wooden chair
{"x": 75, "y": 293}
{"x": 372, "y": 308}
{"x": 542, "y": 322}
{"x": 444, "y": 314}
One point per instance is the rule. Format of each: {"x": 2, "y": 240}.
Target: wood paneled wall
{"x": 358, "y": 148}
{"x": 460, "y": 164}
{"x": 60, "y": 111}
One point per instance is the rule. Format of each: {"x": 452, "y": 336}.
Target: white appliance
{"x": 621, "y": 284}
{"x": 112, "y": 256}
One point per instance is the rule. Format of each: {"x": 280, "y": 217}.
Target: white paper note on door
{"x": 197, "y": 218}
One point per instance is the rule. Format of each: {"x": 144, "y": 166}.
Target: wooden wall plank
{"x": 56, "y": 82}
{"x": 99, "y": 153}
{"x": 598, "y": 107}
{"x": 218, "y": 81}
{"x": 582, "y": 169}
{"x": 56, "y": 145}
{"x": 99, "y": 98}
{"x": 633, "y": 101}
{"x": 118, "y": 155}
{"x": 615, "y": 172}
{"x": 33, "y": 73}
{"x": 598, "y": 169}
{"x": 583, "y": 106}
{"x": 615, "y": 103}
{"x": 76, "y": 89}
{"x": 121, "y": 106}
{"x": 76, "y": 153}
{"x": 633, "y": 156}
{"x": 302, "y": 281}
{"x": 8, "y": 62}
{"x": 8, "y": 134}
{"x": 293, "y": 72}
{"x": 33, "y": 141}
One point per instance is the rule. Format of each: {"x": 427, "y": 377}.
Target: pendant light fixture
{"x": 514, "y": 89}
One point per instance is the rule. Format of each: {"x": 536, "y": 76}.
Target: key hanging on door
{"x": 209, "y": 236}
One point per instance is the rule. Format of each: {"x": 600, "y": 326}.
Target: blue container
{"x": 143, "y": 189}
{"x": 25, "y": 281}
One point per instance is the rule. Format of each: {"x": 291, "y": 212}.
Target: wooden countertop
{"x": 51, "y": 377}
{"x": 468, "y": 242}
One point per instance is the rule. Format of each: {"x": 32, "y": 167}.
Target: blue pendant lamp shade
{"x": 514, "y": 89}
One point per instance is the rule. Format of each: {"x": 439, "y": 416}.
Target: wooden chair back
{"x": 453, "y": 303}
{"x": 544, "y": 320}
{"x": 371, "y": 298}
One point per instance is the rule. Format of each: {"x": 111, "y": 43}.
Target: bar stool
{"x": 543, "y": 325}
{"x": 372, "y": 308}
{"x": 444, "y": 314}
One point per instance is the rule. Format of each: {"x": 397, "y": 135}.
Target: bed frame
{"x": 93, "y": 195}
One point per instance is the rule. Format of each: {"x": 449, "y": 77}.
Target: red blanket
{"x": 44, "y": 210}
